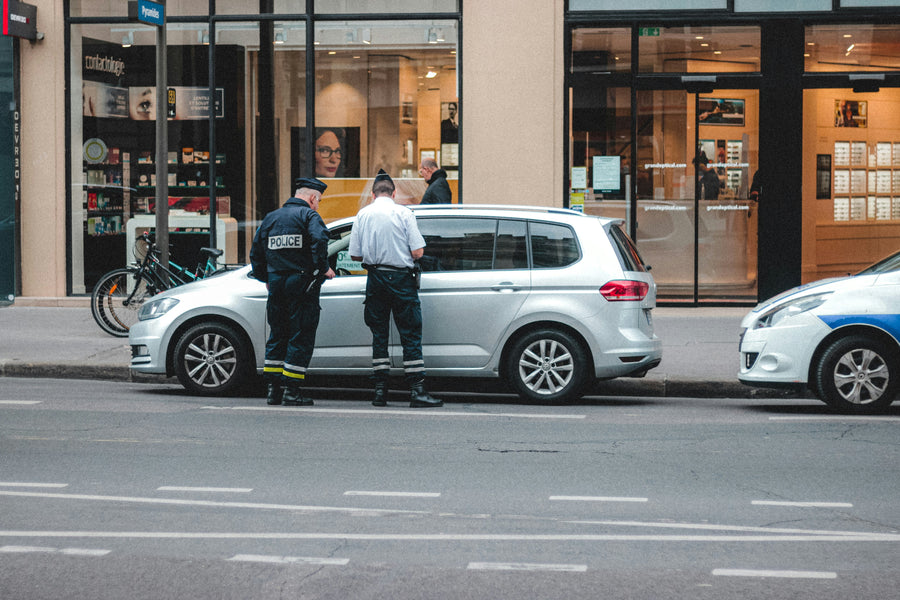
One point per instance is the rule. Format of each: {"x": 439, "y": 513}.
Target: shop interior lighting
{"x": 203, "y": 37}
{"x": 430, "y": 75}
{"x": 128, "y": 40}
{"x": 350, "y": 37}
{"x": 431, "y": 38}
{"x": 279, "y": 37}
{"x": 366, "y": 36}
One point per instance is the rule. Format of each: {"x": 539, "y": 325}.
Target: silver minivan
{"x": 548, "y": 300}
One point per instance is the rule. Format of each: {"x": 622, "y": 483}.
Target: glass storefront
{"x": 851, "y": 148}
{"x": 672, "y": 160}
{"x": 374, "y": 94}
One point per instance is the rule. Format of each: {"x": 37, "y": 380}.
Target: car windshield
{"x": 886, "y": 265}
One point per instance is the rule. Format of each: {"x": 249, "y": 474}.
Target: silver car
{"x": 549, "y": 300}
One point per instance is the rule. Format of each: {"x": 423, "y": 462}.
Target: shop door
{"x": 695, "y": 223}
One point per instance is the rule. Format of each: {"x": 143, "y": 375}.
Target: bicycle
{"x": 118, "y": 296}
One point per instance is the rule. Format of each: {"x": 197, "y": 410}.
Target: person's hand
{"x": 329, "y": 274}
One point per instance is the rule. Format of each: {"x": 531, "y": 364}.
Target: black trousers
{"x": 394, "y": 293}
{"x": 293, "y": 317}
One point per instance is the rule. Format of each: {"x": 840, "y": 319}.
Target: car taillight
{"x": 621, "y": 290}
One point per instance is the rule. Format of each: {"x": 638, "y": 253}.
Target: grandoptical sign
{"x": 19, "y": 19}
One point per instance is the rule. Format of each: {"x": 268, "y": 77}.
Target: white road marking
{"x": 491, "y": 566}
{"x": 175, "y": 488}
{"x": 598, "y": 499}
{"x": 47, "y": 550}
{"x": 282, "y": 560}
{"x": 20, "y": 402}
{"x": 837, "y": 418}
{"x": 802, "y": 504}
{"x": 448, "y": 537}
{"x": 363, "y": 411}
{"x": 733, "y": 528}
{"x": 768, "y": 573}
{"x": 29, "y": 484}
{"x": 395, "y": 494}
{"x": 211, "y": 503}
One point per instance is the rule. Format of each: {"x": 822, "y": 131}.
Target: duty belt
{"x": 385, "y": 268}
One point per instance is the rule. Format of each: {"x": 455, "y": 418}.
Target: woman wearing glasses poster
{"x": 336, "y": 152}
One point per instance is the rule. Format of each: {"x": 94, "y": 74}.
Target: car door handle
{"x": 506, "y": 287}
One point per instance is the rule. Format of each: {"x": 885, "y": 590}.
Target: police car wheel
{"x": 548, "y": 366}
{"x": 858, "y": 374}
{"x": 211, "y": 359}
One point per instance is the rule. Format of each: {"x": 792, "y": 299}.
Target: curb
{"x": 657, "y": 388}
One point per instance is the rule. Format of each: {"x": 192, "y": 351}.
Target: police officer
{"x": 290, "y": 254}
{"x": 387, "y": 240}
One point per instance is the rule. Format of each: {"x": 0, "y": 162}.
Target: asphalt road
{"x": 113, "y": 490}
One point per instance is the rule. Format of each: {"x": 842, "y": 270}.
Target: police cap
{"x": 311, "y": 183}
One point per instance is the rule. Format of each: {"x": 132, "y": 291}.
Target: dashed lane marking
{"x": 284, "y": 560}
{"x": 772, "y": 573}
{"x": 492, "y": 566}
{"x": 46, "y": 550}
{"x": 394, "y": 494}
{"x": 177, "y": 488}
{"x": 29, "y": 484}
{"x": 802, "y": 504}
{"x": 598, "y": 499}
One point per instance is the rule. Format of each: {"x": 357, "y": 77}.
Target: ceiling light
{"x": 848, "y": 35}
{"x": 128, "y": 40}
{"x": 717, "y": 52}
{"x": 704, "y": 45}
{"x": 203, "y": 37}
{"x": 430, "y": 75}
{"x": 431, "y": 36}
{"x": 279, "y": 37}
{"x": 366, "y": 36}
{"x": 699, "y": 37}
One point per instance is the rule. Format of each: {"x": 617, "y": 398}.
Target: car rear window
{"x": 625, "y": 248}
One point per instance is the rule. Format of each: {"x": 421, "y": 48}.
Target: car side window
{"x": 339, "y": 254}
{"x": 552, "y": 245}
{"x": 457, "y": 244}
{"x": 512, "y": 245}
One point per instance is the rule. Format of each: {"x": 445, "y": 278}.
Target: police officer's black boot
{"x": 380, "y": 394}
{"x": 275, "y": 394}
{"x": 293, "y": 396}
{"x": 419, "y": 398}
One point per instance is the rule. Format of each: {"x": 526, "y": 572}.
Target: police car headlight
{"x": 790, "y": 309}
{"x": 156, "y": 308}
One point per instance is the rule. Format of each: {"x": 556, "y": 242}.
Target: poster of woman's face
{"x": 336, "y": 152}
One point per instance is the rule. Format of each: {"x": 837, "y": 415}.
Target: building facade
{"x": 664, "y": 115}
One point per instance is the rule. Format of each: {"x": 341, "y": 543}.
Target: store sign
{"x": 19, "y": 19}
{"x": 146, "y": 11}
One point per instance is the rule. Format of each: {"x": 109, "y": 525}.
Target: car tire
{"x": 858, "y": 375}
{"x": 548, "y": 366}
{"x": 211, "y": 359}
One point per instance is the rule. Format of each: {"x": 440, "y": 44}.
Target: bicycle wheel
{"x": 114, "y": 306}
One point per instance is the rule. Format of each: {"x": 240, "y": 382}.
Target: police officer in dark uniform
{"x": 290, "y": 254}
{"x": 387, "y": 240}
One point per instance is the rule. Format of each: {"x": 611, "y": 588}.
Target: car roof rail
{"x": 509, "y": 207}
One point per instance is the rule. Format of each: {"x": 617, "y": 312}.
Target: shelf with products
{"x": 105, "y": 193}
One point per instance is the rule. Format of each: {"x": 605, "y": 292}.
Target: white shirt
{"x": 385, "y": 233}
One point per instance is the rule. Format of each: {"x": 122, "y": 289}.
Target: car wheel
{"x": 211, "y": 359}
{"x": 858, "y": 374}
{"x": 548, "y": 366}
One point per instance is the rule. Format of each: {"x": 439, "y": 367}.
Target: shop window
{"x": 851, "y": 179}
{"x": 769, "y": 6}
{"x": 386, "y": 98}
{"x": 385, "y": 6}
{"x": 858, "y": 47}
{"x": 667, "y": 5}
{"x": 601, "y": 50}
{"x": 699, "y": 49}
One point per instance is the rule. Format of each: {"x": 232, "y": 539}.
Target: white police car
{"x": 838, "y": 337}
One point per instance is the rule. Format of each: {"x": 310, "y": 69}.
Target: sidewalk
{"x": 700, "y": 350}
